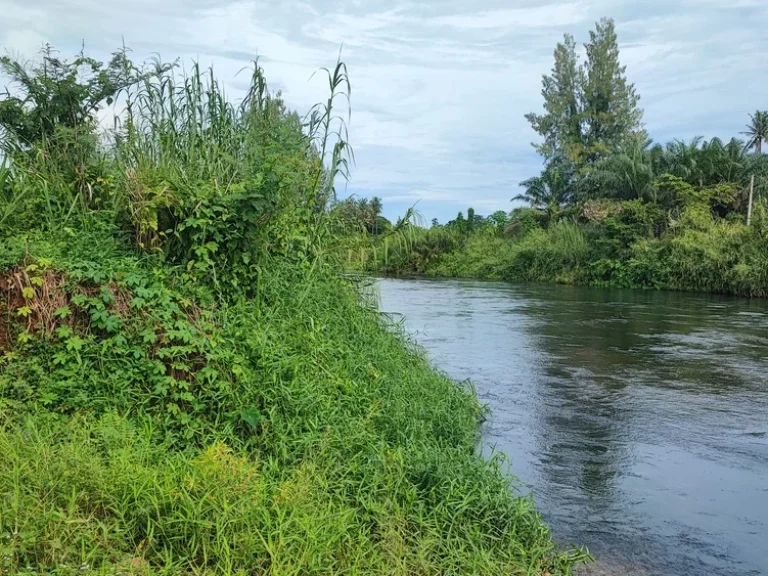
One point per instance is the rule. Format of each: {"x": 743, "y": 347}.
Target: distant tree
{"x": 560, "y": 125}
{"x": 626, "y": 175}
{"x": 611, "y": 113}
{"x": 757, "y": 131}
{"x": 683, "y": 159}
{"x": 499, "y": 220}
{"x": 375, "y": 207}
{"x": 470, "y": 220}
{"x": 550, "y": 190}
{"x": 590, "y": 110}
{"x": 435, "y": 223}
{"x": 720, "y": 163}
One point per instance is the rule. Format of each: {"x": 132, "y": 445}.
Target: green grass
{"x": 355, "y": 455}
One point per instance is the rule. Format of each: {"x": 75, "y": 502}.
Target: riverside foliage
{"x": 610, "y": 208}
{"x": 187, "y": 383}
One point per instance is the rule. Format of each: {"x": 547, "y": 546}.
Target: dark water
{"x": 639, "y": 420}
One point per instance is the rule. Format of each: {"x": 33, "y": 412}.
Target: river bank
{"x": 712, "y": 255}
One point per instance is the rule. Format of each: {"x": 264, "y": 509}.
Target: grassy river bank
{"x": 187, "y": 384}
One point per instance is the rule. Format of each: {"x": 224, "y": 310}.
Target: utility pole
{"x": 749, "y": 207}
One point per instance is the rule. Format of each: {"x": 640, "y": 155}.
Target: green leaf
{"x": 63, "y": 312}
{"x": 75, "y": 343}
{"x": 24, "y": 311}
{"x": 251, "y": 417}
{"x": 63, "y": 332}
{"x": 106, "y": 295}
{"x": 149, "y": 336}
{"x": 112, "y": 323}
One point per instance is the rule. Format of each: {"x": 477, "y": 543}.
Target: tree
{"x": 720, "y": 163}
{"x": 375, "y": 207}
{"x": 683, "y": 159}
{"x": 610, "y": 110}
{"x": 550, "y": 190}
{"x": 499, "y": 220}
{"x": 757, "y": 131}
{"x": 590, "y": 110}
{"x": 627, "y": 175}
{"x": 58, "y": 93}
{"x": 560, "y": 125}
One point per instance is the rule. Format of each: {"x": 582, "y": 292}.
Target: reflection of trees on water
{"x": 590, "y": 343}
{"x": 602, "y": 354}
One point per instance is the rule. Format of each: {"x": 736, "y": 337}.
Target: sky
{"x": 439, "y": 88}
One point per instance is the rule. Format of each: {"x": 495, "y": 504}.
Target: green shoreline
{"x": 632, "y": 244}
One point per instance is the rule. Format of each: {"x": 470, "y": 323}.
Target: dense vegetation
{"x": 187, "y": 383}
{"x": 610, "y": 207}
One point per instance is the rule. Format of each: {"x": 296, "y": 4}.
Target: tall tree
{"x": 757, "y": 130}
{"x": 610, "y": 110}
{"x": 590, "y": 110}
{"x": 560, "y": 125}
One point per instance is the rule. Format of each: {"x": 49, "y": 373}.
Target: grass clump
{"x": 188, "y": 385}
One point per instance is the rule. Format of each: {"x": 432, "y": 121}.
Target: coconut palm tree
{"x": 757, "y": 131}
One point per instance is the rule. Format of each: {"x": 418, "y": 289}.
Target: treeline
{"x": 611, "y": 207}
{"x": 188, "y": 385}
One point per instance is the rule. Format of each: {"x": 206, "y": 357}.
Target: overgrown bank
{"x": 186, "y": 383}
{"x": 627, "y": 244}
{"x": 610, "y": 207}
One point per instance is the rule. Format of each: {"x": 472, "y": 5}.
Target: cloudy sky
{"x": 439, "y": 88}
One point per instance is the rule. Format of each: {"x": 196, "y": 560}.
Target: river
{"x": 638, "y": 420}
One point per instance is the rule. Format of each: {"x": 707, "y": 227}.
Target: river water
{"x": 639, "y": 420}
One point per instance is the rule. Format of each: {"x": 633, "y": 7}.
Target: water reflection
{"x": 639, "y": 419}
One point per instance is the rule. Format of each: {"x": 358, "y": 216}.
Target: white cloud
{"x": 547, "y": 16}
{"x": 438, "y": 89}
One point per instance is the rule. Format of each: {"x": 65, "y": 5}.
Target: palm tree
{"x": 550, "y": 190}
{"x": 720, "y": 162}
{"x": 627, "y": 175}
{"x": 375, "y": 207}
{"x": 757, "y": 131}
{"x": 682, "y": 159}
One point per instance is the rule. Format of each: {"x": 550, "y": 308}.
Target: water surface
{"x": 639, "y": 420}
